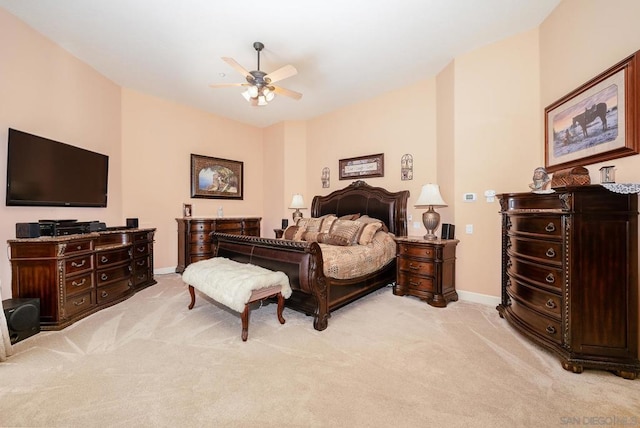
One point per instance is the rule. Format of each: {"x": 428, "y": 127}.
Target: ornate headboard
{"x": 359, "y": 197}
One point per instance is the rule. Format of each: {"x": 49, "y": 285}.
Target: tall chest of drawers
{"x": 194, "y": 241}
{"x": 570, "y": 275}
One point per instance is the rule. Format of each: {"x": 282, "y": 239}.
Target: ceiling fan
{"x": 260, "y": 88}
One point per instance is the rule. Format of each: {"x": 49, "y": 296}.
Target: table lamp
{"x": 297, "y": 203}
{"x": 430, "y": 197}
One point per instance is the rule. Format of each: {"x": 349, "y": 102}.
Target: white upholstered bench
{"x": 236, "y": 285}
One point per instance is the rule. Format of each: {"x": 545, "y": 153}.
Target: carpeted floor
{"x": 383, "y": 361}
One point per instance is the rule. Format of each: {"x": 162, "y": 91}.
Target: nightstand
{"x": 278, "y": 233}
{"x": 426, "y": 269}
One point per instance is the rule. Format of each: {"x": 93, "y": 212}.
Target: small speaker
{"x": 285, "y": 223}
{"x": 132, "y": 223}
{"x": 448, "y": 231}
{"x": 23, "y": 317}
{"x": 27, "y": 230}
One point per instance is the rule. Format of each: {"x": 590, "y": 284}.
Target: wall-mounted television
{"x": 44, "y": 172}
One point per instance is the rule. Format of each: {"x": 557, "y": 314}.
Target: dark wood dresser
{"x": 194, "y": 242}
{"x": 426, "y": 269}
{"x": 570, "y": 275}
{"x": 77, "y": 275}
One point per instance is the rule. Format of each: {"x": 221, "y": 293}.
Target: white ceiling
{"x": 345, "y": 50}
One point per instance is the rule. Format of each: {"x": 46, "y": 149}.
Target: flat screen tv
{"x": 43, "y": 172}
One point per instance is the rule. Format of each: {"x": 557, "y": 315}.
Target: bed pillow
{"x": 327, "y": 223}
{"x": 366, "y": 219}
{"x": 294, "y": 233}
{"x": 348, "y": 229}
{"x": 327, "y": 238}
{"x": 368, "y": 231}
{"x": 349, "y": 216}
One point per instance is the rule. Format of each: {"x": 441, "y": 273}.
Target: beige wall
{"x": 47, "y": 92}
{"x": 158, "y": 138}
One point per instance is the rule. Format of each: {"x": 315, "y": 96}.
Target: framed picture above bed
{"x": 597, "y": 121}
{"x": 216, "y": 178}
{"x": 362, "y": 167}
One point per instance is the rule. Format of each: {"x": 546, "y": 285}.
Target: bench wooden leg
{"x": 280, "y": 307}
{"x": 193, "y": 296}
{"x": 245, "y": 323}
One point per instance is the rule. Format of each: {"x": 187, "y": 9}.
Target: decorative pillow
{"x": 368, "y": 231}
{"x": 349, "y": 216}
{"x": 327, "y": 223}
{"x": 327, "y": 238}
{"x": 290, "y": 232}
{"x": 312, "y": 224}
{"x": 367, "y": 219}
{"x": 349, "y": 229}
{"x": 299, "y": 235}
{"x": 311, "y": 236}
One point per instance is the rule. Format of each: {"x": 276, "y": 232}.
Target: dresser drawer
{"x": 414, "y": 282}
{"x": 114, "y": 291}
{"x": 142, "y": 236}
{"x": 78, "y": 284}
{"x": 106, "y": 276}
{"x": 542, "y": 251}
{"x": 228, "y": 227}
{"x": 108, "y": 258}
{"x": 79, "y": 303}
{"x": 539, "y": 300}
{"x": 78, "y": 264}
{"x": 140, "y": 249}
{"x": 77, "y": 247}
{"x": 546, "y": 277}
{"x": 201, "y": 249}
{"x": 543, "y": 226}
{"x": 200, "y": 227}
{"x": 545, "y": 327}
{"x": 416, "y": 251}
{"x": 416, "y": 266}
{"x": 200, "y": 238}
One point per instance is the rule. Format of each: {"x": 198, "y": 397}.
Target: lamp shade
{"x": 297, "y": 201}
{"x": 430, "y": 196}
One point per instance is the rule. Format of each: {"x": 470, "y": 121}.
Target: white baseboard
{"x": 164, "y": 270}
{"x": 484, "y": 299}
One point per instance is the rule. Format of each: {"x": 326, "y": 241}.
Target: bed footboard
{"x": 300, "y": 261}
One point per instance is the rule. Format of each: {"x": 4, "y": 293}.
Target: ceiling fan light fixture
{"x": 262, "y": 101}
{"x": 246, "y": 95}
{"x": 253, "y": 91}
{"x": 270, "y": 96}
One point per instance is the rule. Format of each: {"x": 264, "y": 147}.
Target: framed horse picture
{"x": 597, "y": 121}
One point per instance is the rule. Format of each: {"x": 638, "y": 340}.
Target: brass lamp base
{"x": 297, "y": 214}
{"x": 431, "y": 220}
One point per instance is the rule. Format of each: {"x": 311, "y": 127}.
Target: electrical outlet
{"x": 409, "y": 217}
{"x": 416, "y": 225}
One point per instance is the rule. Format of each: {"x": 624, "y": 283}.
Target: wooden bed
{"x": 313, "y": 292}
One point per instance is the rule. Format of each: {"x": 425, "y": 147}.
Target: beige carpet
{"x": 383, "y": 361}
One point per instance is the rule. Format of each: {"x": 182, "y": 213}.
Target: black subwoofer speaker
{"x": 23, "y": 317}
{"x": 448, "y": 231}
{"x": 132, "y": 223}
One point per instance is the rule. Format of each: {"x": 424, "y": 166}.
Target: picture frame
{"x": 362, "y": 167}
{"x": 187, "y": 210}
{"x": 597, "y": 121}
{"x": 216, "y": 178}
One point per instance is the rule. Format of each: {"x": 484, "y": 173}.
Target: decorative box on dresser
{"x": 77, "y": 275}
{"x": 426, "y": 269}
{"x": 570, "y": 275}
{"x": 194, "y": 242}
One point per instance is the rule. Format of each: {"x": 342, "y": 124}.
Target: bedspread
{"x": 346, "y": 262}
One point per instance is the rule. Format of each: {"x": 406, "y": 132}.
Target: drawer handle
{"x": 104, "y": 277}
{"x": 141, "y": 262}
{"x": 550, "y": 278}
{"x": 551, "y": 329}
{"x": 550, "y": 253}
{"x": 413, "y": 283}
{"x": 129, "y": 253}
{"x": 74, "y": 264}
{"x": 80, "y": 302}
{"x": 414, "y": 267}
{"x": 130, "y": 268}
{"x": 141, "y": 249}
{"x": 78, "y": 284}
{"x": 79, "y": 247}
{"x": 550, "y": 227}
{"x": 143, "y": 276}
{"x": 104, "y": 259}
{"x": 104, "y": 294}
{"x": 550, "y": 304}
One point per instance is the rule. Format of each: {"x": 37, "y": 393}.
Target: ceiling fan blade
{"x": 227, "y": 85}
{"x": 281, "y": 73}
{"x": 287, "y": 92}
{"x": 240, "y": 69}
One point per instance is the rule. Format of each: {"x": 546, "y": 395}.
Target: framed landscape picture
{"x": 597, "y": 121}
{"x": 216, "y": 178}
